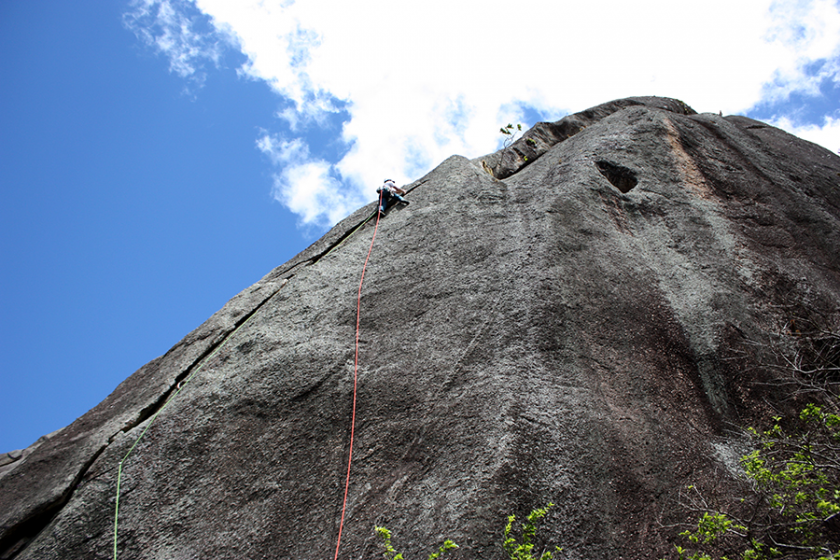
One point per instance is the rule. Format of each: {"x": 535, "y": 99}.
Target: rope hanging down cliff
{"x": 179, "y": 387}
{"x": 221, "y": 345}
{"x": 356, "y": 375}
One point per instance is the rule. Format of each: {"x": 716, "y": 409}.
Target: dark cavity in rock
{"x": 622, "y": 178}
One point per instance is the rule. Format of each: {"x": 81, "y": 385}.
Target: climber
{"x": 389, "y": 194}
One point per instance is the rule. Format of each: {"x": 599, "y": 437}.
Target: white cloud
{"x": 826, "y": 134}
{"x": 167, "y": 29}
{"x": 807, "y": 34}
{"x": 424, "y": 80}
{"x": 307, "y": 186}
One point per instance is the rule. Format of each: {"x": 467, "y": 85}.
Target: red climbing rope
{"x": 356, "y": 378}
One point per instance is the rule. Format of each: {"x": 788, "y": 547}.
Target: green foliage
{"x": 794, "y": 473}
{"x": 515, "y": 550}
{"x": 384, "y": 534}
{"x": 797, "y": 472}
{"x": 391, "y": 553}
{"x": 524, "y": 550}
{"x": 710, "y": 527}
{"x": 510, "y": 131}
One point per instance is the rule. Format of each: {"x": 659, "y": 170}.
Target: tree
{"x": 792, "y": 509}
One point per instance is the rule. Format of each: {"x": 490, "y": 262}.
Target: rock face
{"x": 568, "y": 321}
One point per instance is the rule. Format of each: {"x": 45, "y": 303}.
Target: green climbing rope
{"x": 169, "y": 400}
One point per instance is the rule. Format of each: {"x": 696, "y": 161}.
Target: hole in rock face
{"x": 622, "y": 178}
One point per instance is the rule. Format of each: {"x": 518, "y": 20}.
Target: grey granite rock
{"x": 576, "y": 332}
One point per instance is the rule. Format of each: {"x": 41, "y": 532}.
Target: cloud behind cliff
{"x": 411, "y": 84}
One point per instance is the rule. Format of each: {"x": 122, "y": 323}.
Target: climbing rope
{"x": 169, "y": 400}
{"x": 356, "y": 379}
{"x": 213, "y": 354}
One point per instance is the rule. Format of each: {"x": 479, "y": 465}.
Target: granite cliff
{"x": 570, "y": 320}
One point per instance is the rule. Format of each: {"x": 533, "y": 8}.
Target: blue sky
{"x": 159, "y": 156}
{"x": 131, "y": 210}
